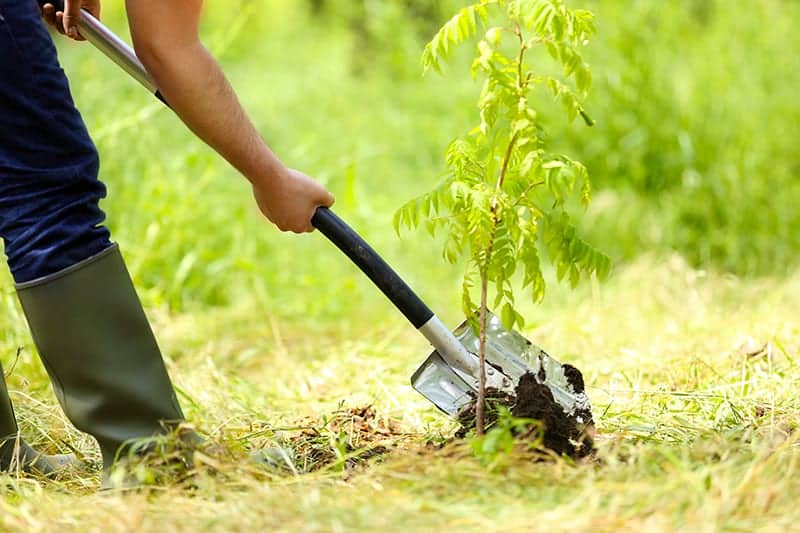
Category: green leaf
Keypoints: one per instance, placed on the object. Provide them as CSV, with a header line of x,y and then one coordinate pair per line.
x,y
494,36
574,276
462,26
508,316
583,78
586,118
552,49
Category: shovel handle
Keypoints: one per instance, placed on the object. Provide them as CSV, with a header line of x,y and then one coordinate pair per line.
x,y
371,264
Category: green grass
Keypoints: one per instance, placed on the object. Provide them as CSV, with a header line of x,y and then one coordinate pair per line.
x,y
692,377
692,373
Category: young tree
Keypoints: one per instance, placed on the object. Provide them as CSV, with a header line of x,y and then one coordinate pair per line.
x,y
504,195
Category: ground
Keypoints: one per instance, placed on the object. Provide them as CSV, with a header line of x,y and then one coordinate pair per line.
x,y
692,378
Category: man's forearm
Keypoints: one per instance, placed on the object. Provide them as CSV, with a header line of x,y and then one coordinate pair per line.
x,y
165,36
191,81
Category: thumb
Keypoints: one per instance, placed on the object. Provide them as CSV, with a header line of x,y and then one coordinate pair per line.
x,y
72,14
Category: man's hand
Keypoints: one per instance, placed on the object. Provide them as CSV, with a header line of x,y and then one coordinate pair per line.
x,y
66,22
290,199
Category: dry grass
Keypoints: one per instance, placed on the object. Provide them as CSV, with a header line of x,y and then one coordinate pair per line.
x,y
692,377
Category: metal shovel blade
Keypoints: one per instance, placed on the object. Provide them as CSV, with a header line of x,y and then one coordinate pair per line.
x,y
452,391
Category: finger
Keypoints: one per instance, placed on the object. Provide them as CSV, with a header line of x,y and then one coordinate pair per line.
x,y
310,226
49,14
72,14
325,199
59,25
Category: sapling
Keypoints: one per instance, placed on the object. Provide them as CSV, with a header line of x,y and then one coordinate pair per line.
x,y
504,195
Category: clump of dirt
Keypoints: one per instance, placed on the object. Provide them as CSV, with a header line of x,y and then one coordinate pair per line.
x,y
574,378
562,433
348,437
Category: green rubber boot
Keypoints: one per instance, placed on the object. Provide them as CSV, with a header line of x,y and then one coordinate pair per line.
x,y
97,346
15,454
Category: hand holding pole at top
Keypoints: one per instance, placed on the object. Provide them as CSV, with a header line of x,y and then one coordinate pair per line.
x,y
66,21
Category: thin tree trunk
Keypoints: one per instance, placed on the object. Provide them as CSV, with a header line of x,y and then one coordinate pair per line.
x,y
480,406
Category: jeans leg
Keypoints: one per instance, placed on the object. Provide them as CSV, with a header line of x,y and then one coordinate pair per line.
x,y
50,216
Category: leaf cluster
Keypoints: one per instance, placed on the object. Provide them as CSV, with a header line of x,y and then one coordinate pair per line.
x,y
504,194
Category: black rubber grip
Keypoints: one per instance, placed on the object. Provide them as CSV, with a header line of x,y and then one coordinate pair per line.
x,y
376,269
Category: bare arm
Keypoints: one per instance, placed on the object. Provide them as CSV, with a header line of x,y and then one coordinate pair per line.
x,y
166,39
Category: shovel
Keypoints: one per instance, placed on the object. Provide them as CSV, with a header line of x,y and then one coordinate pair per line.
x,y
450,375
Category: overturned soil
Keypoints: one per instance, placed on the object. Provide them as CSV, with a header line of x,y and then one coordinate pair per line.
x,y
562,433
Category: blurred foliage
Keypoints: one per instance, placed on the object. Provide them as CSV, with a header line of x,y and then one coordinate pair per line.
x,y
392,30
694,148
697,123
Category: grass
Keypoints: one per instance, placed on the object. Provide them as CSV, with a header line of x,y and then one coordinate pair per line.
x,y
692,377
692,374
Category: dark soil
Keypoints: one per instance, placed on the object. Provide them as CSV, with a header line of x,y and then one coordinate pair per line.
x,y
574,377
563,434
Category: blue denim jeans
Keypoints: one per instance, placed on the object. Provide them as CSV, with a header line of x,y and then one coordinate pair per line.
x,y
50,217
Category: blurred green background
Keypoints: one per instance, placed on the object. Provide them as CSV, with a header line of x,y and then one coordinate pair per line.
x,y
694,149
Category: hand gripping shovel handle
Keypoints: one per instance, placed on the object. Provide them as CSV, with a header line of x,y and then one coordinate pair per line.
x,y
112,46
325,220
